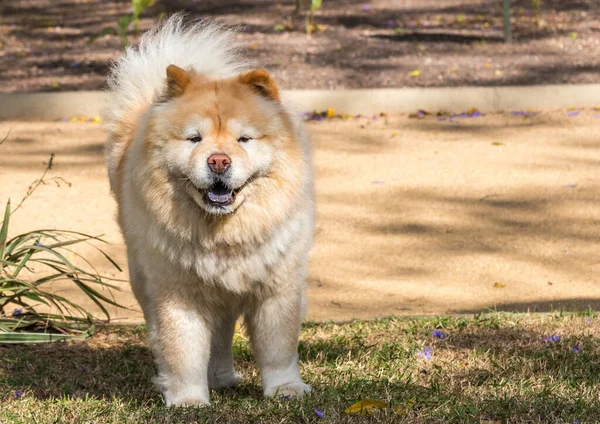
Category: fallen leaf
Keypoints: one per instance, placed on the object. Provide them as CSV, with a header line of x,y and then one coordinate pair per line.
x,y
278,27
488,64
395,134
499,285
497,143
403,409
573,36
365,407
253,46
330,112
415,73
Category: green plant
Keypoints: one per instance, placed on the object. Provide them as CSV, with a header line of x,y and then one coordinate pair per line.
x,y
310,16
29,263
122,28
536,5
138,7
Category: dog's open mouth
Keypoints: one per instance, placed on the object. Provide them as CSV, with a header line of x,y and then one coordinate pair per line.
x,y
219,194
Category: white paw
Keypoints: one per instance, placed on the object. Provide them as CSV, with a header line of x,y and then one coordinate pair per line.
x,y
223,381
290,390
187,401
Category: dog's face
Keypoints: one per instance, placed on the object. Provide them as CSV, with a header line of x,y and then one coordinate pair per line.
x,y
216,138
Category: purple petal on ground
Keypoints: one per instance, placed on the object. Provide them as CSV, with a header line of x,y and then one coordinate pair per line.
x,y
17,312
17,394
441,118
573,113
438,334
318,413
588,320
378,182
571,186
596,116
425,353
421,112
391,22
366,7
519,112
576,349
476,114
550,283
552,339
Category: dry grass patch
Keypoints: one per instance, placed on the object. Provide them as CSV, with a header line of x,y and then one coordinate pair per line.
x,y
492,366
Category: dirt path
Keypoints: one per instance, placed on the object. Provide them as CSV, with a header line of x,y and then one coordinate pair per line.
x,y
45,44
414,216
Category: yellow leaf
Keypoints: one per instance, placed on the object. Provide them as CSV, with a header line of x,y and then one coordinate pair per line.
x,y
330,112
365,407
254,46
488,64
499,285
403,410
96,119
415,73
395,134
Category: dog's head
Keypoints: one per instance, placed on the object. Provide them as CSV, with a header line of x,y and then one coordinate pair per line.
x,y
218,138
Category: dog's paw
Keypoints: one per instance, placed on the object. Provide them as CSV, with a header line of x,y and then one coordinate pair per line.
x,y
188,401
224,380
184,395
288,391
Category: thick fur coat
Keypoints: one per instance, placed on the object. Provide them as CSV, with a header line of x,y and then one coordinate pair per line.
x,y
213,180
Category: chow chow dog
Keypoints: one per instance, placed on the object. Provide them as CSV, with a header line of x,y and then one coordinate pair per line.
x,y
213,181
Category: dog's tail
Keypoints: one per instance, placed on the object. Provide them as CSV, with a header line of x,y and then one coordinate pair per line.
x,y
137,78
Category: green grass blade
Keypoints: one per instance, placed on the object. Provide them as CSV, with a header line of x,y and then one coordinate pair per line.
x,y
20,338
4,230
24,260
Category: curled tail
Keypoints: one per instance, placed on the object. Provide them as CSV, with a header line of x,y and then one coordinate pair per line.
x,y
137,78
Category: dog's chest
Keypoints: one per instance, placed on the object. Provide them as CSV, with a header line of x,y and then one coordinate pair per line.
x,y
237,268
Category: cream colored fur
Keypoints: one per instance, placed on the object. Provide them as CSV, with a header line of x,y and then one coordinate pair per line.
x,y
194,271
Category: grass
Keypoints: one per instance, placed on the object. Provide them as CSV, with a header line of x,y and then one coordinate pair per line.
x,y
489,368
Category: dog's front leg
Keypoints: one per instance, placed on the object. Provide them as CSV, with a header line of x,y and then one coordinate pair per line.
x,y
181,346
274,327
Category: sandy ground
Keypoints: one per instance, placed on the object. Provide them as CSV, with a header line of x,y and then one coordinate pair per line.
x,y
414,216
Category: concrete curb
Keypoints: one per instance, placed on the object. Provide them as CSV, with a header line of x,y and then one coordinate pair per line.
x,y
25,106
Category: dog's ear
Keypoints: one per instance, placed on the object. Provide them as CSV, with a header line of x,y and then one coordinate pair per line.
x,y
177,80
261,82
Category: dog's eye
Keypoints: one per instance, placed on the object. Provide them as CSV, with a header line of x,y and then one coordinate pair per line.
x,y
195,138
243,139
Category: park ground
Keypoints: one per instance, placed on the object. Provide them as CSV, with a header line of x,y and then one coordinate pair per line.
x,y
485,369
45,44
422,215
440,215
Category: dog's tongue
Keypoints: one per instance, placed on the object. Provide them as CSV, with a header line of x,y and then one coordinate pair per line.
x,y
219,194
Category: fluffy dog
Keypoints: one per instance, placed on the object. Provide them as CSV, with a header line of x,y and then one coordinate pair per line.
x,y
213,180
